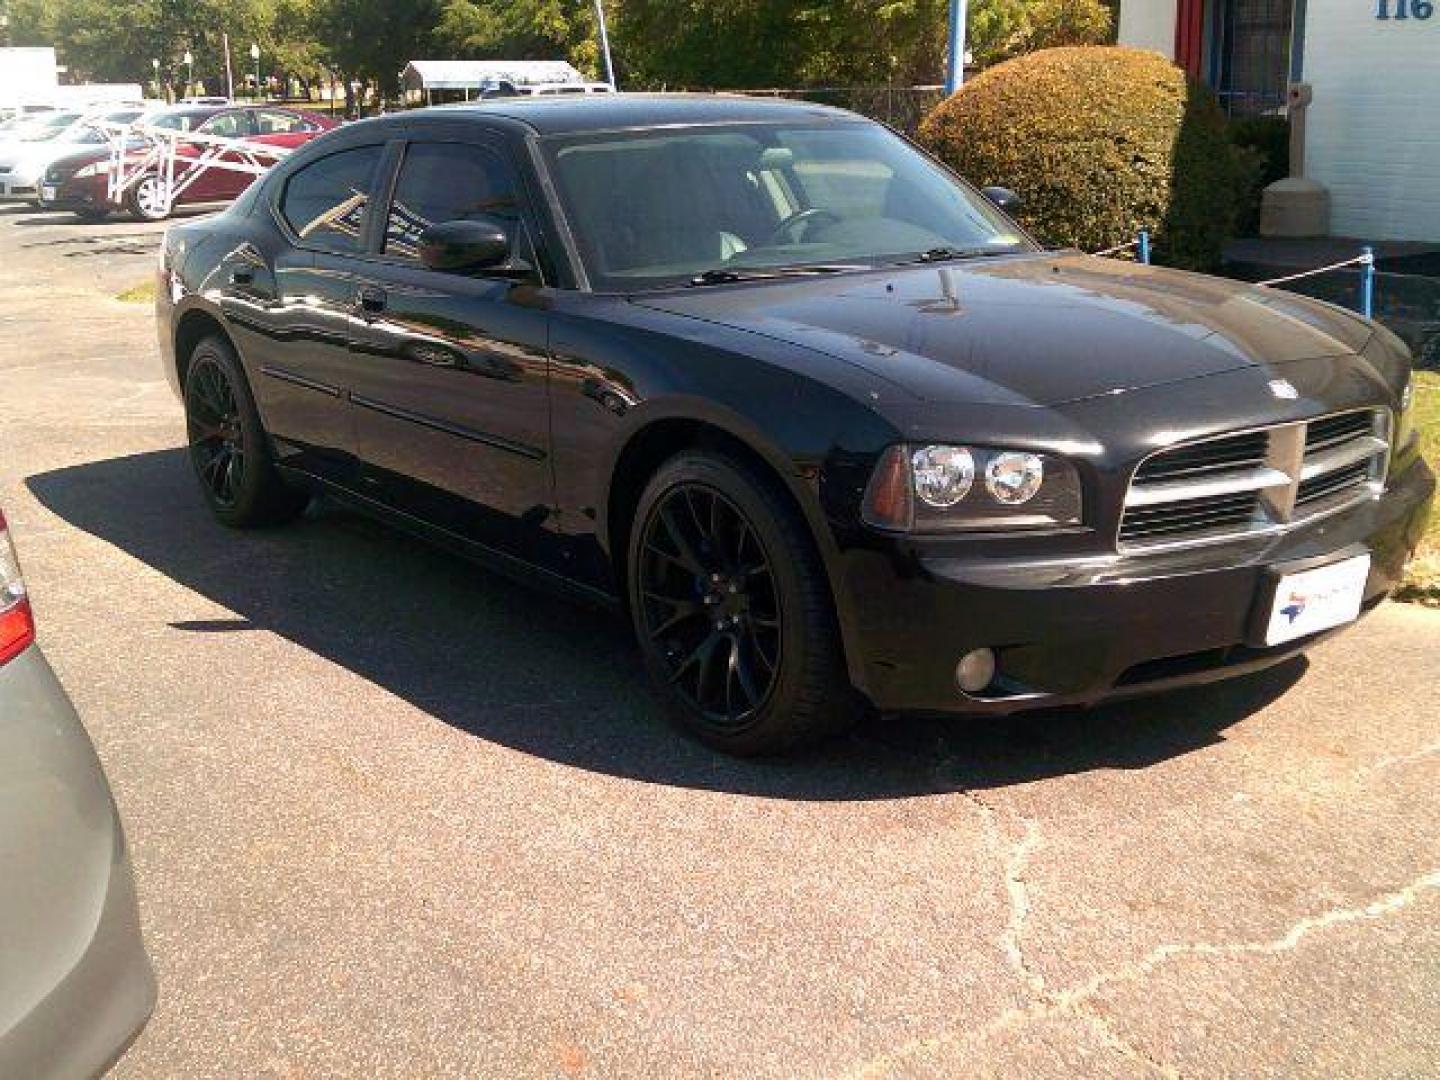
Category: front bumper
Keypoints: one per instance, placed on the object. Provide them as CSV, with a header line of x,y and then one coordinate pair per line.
x,y
75,984
70,193
18,186
1075,632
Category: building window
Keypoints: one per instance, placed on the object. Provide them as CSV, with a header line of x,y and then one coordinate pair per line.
x,y
1250,61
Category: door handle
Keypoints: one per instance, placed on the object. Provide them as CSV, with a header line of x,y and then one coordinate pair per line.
x,y
372,300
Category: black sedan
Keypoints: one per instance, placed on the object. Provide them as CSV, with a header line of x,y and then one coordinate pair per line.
x,y
825,424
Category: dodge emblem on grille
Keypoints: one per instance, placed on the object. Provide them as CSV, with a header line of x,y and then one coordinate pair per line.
x,y
1284,389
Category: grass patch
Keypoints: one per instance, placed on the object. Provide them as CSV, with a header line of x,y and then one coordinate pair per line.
x,y
1422,581
144,293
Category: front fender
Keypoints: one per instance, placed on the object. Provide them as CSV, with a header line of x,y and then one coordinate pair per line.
x,y
802,471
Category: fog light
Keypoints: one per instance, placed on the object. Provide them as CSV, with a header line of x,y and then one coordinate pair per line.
x,y
975,671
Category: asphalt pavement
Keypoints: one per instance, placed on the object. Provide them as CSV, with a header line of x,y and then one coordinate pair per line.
x,y
393,816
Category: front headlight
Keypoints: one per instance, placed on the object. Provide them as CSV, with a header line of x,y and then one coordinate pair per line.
x,y
939,488
98,168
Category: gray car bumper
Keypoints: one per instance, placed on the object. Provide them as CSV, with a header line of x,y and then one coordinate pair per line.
x,y
75,983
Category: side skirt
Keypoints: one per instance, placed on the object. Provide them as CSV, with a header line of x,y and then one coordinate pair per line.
x,y
510,566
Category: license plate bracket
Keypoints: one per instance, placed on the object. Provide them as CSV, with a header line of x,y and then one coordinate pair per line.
x,y
1305,602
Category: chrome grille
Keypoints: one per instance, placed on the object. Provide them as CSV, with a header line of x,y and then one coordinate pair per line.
x,y
1264,480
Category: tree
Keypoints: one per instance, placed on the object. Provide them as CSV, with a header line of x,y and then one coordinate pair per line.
x,y
520,30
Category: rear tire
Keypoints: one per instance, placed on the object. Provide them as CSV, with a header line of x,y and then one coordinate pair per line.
x,y
146,199
732,609
228,446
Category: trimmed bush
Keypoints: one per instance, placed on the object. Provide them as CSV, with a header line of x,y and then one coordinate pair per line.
x,y
1099,143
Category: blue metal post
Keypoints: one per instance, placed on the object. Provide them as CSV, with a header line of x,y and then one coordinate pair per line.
x,y
1367,282
1145,246
955,69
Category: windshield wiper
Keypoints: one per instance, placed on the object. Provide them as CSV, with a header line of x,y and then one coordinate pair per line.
x,y
945,254
724,275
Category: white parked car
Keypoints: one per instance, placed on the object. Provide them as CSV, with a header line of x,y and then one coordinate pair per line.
x,y
24,160
37,125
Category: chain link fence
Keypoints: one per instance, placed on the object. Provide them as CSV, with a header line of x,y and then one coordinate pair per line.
x,y
900,107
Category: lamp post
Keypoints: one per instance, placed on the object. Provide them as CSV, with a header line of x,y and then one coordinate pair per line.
x,y
255,55
605,43
189,71
955,69
155,64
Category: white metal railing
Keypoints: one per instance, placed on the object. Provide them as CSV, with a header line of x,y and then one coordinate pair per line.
x,y
177,159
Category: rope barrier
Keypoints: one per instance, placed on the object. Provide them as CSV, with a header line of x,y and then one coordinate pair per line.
x,y
1141,244
1365,260
1359,260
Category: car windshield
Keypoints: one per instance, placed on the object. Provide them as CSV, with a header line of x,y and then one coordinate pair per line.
x,y
50,128
711,204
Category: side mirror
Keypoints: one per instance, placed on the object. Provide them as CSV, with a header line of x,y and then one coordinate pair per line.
x,y
1003,198
482,244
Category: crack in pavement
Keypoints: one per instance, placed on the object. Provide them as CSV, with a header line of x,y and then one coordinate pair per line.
x,y
1122,1046
1016,889
1012,937
1076,1001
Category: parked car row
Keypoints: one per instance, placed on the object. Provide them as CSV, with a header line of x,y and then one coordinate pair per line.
x,y
65,160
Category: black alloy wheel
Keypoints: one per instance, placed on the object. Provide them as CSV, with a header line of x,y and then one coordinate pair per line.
x,y
228,445
709,604
732,608
213,421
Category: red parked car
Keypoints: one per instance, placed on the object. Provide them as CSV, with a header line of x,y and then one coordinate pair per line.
x,y
80,181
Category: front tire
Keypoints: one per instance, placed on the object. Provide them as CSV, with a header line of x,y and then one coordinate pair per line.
x,y
148,200
732,609
228,446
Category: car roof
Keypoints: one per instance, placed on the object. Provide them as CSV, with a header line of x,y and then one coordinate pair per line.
x,y
563,114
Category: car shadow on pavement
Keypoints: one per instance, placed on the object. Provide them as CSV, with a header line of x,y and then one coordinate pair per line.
x,y
544,676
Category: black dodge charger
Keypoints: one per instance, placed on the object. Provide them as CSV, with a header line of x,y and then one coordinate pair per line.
x,y
824,422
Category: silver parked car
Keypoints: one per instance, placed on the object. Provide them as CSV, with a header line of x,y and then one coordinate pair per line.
x,y
75,983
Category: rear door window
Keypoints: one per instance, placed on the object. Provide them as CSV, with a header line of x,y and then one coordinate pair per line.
x,y
327,202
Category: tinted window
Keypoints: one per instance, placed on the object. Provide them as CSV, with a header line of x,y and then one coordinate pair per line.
x,y
230,125
446,182
326,201
177,121
268,122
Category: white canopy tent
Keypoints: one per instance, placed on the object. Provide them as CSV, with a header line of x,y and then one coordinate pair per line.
x,y
425,78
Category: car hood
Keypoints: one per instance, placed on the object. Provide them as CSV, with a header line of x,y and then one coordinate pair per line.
x,y
37,155
78,157
1030,330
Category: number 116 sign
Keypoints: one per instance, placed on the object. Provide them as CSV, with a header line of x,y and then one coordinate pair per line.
x,y
1404,9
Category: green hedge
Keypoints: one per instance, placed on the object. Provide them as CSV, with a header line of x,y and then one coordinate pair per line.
x,y
1099,142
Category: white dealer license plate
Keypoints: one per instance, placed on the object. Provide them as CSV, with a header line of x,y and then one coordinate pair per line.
x,y
47,192
1315,600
